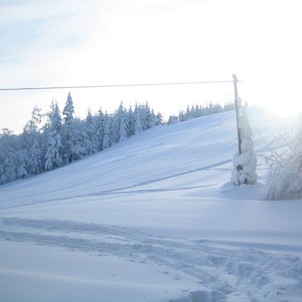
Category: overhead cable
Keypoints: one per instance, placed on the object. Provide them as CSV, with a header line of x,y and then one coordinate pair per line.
x,y
111,85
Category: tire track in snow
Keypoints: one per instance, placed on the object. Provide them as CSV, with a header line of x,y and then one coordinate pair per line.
x,y
228,270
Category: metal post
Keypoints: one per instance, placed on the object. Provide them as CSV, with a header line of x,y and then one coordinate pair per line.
x,y
235,79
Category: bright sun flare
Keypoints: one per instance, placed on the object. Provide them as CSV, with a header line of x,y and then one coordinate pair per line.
x,y
278,98
286,110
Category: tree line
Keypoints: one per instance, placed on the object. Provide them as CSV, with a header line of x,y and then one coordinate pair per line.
x,y
55,139
203,110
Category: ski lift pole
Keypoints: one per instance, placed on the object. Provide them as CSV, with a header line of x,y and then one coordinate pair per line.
x,y
235,79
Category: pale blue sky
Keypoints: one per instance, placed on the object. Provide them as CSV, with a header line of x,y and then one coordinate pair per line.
x,y
72,42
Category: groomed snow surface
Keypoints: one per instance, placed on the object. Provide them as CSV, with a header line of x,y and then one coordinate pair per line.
x,y
155,219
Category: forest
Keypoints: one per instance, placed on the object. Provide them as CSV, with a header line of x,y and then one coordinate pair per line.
x,y
54,139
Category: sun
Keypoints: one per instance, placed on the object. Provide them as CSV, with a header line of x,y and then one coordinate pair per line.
x,y
281,101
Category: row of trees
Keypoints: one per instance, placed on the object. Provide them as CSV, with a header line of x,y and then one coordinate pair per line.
x,y
199,111
55,139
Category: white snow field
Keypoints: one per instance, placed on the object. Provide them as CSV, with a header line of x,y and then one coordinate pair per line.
x,y
155,218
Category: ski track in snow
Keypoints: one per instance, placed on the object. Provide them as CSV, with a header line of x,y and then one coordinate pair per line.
x,y
225,268
128,189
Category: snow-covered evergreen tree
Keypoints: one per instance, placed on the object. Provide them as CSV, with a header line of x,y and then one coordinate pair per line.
x,y
22,173
158,119
68,139
244,171
8,164
53,157
106,139
138,125
122,123
152,120
68,110
2,166
148,117
90,137
145,113
35,159
99,128
181,116
114,128
78,147
30,141
130,121
32,126
21,160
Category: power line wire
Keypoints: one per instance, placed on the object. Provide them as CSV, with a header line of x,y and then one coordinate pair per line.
x,y
112,85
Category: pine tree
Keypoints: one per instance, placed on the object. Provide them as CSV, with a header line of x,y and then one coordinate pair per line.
x,y
3,179
114,129
22,173
122,123
21,163
148,116
138,126
152,120
32,126
53,157
68,139
6,167
78,147
68,110
10,165
106,139
8,148
144,116
90,138
158,119
130,121
99,127
31,140
35,159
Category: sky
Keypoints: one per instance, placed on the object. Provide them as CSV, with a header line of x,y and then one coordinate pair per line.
x,y
100,42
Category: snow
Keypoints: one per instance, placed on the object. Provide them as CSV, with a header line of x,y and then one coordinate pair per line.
x,y
154,218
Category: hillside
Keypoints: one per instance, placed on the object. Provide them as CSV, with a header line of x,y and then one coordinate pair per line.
x,y
154,218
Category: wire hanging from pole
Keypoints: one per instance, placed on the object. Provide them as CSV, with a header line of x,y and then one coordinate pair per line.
x,y
112,85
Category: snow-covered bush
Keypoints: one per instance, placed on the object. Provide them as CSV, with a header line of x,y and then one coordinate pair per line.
x,y
244,171
284,179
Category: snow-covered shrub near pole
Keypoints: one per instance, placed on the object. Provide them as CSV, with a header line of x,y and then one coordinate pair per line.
x,y
245,161
285,172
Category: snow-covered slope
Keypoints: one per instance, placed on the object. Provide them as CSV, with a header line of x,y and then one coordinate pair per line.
x,y
153,219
